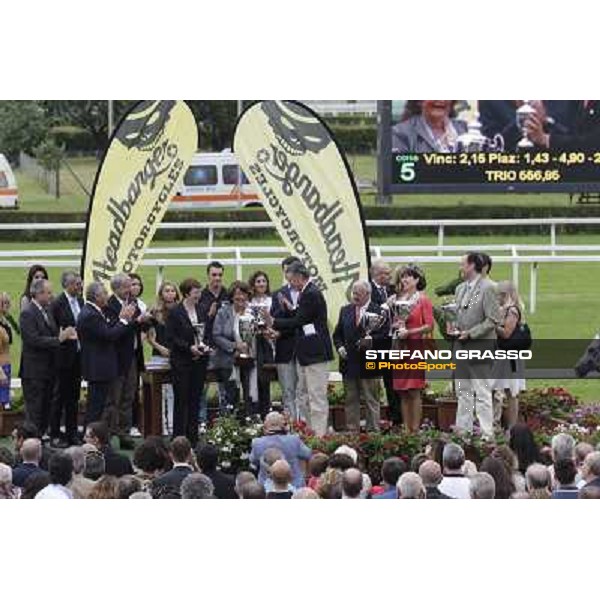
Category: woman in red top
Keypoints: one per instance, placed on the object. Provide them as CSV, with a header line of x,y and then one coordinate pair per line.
x,y
412,333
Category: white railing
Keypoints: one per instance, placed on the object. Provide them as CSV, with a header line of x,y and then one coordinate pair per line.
x,y
440,224
238,261
240,256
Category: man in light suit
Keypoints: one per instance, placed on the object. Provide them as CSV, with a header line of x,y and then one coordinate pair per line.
x,y
478,315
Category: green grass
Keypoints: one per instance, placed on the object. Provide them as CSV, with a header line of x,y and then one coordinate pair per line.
x,y
566,302
34,198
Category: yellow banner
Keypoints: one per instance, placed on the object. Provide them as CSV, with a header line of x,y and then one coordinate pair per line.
x,y
143,166
307,189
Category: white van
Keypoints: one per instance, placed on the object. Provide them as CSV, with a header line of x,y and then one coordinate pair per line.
x,y
9,197
215,180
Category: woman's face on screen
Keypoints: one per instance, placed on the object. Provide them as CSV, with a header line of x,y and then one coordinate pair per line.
x,y
436,109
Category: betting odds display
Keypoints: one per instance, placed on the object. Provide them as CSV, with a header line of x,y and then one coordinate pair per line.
x,y
490,145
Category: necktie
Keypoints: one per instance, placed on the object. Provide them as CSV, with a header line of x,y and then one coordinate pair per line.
x,y
75,308
357,317
383,293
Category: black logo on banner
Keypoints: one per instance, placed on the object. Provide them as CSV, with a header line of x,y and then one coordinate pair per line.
x,y
143,127
295,128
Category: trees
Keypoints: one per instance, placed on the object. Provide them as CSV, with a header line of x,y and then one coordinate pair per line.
x,y
91,115
24,125
216,120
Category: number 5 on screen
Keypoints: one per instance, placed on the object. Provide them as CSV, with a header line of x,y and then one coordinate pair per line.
x,y
407,171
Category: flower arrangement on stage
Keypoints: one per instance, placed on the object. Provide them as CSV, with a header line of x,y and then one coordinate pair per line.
x,y
547,411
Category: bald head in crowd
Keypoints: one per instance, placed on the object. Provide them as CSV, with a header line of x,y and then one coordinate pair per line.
x,y
430,473
31,451
281,473
352,482
305,493
410,487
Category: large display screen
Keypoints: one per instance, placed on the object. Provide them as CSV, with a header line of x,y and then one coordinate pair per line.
x,y
489,145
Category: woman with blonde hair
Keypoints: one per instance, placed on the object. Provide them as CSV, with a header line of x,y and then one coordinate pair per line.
x,y
508,374
155,332
105,488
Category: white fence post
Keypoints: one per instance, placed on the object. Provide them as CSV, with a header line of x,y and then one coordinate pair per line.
x,y
515,267
533,287
238,264
160,276
553,238
441,239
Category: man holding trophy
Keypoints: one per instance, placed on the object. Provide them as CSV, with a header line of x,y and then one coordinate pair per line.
x,y
359,323
476,317
313,346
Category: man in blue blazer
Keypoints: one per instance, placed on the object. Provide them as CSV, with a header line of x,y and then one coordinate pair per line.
x,y
98,338
283,305
349,339
313,346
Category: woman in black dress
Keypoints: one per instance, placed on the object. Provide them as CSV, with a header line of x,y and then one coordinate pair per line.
x,y
186,331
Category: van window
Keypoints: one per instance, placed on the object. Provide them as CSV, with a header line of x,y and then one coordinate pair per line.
x,y
3,180
201,175
231,175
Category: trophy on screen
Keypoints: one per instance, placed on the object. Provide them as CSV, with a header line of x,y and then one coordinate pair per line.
x,y
400,310
247,331
524,113
474,141
450,311
370,322
257,314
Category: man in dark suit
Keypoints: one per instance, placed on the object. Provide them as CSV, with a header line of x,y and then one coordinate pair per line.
x,y
208,459
349,339
65,310
381,290
500,117
430,473
585,134
98,338
31,454
130,361
313,346
181,455
41,342
115,464
283,305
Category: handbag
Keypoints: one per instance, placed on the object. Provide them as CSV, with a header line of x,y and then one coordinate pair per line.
x,y
429,342
520,338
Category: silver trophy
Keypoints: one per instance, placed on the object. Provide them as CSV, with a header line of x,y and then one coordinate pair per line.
x,y
247,331
474,141
524,113
257,314
450,310
199,330
370,322
400,311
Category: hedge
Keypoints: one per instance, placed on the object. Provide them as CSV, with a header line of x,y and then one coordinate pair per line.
x,y
393,212
356,139
74,139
